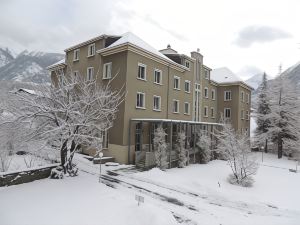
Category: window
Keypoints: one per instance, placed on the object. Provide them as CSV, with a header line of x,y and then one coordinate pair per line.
x,y
176,83
141,71
247,130
205,111
206,74
213,94
227,95
197,87
91,50
140,100
76,55
187,64
247,115
157,76
227,113
247,98
156,103
212,112
107,70
90,73
187,86
242,114
242,96
75,75
175,106
206,92
187,108
105,139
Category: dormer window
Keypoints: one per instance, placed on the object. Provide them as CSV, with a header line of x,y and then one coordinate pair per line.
x,y
91,50
76,55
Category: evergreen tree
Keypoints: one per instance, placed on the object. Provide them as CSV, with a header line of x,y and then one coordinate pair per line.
x,y
284,116
262,115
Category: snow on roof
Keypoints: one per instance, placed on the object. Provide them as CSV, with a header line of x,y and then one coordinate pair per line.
x,y
135,40
224,75
56,64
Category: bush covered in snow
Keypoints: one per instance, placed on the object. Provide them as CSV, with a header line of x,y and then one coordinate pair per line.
x,y
181,150
236,150
203,145
160,147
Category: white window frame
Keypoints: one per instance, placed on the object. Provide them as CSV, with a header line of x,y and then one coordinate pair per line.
x,y
87,73
76,75
93,47
213,94
160,80
187,64
212,112
205,112
105,66
175,100
225,117
176,78
206,74
74,55
144,100
197,87
242,114
206,92
242,96
225,96
247,115
189,85
159,103
189,108
247,98
145,67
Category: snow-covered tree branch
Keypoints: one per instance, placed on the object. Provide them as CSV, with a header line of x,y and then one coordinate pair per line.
x,y
160,147
235,148
70,116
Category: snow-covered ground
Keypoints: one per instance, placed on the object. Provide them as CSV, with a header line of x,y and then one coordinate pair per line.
x,y
191,195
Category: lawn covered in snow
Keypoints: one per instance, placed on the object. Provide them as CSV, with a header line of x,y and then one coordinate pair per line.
x,y
192,195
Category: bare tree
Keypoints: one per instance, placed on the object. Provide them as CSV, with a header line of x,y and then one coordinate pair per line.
x,y
160,146
235,149
70,116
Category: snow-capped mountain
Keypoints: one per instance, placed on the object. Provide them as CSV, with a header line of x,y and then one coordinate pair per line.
x,y
256,80
5,56
27,66
293,73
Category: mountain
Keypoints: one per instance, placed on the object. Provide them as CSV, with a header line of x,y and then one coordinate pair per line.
x,y
256,80
5,56
293,74
27,66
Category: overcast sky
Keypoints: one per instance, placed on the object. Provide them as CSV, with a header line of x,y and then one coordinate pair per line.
x,y
245,36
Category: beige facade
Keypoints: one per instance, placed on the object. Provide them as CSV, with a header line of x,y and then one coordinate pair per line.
x,y
172,87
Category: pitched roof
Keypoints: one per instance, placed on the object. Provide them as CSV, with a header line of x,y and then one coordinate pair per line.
x,y
224,75
59,63
138,42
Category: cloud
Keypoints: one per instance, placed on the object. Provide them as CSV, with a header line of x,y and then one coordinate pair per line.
x,y
259,34
248,71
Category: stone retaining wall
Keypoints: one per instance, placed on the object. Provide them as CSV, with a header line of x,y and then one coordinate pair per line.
x,y
20,177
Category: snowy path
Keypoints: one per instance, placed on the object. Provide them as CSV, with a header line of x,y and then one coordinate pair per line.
x,y
189,206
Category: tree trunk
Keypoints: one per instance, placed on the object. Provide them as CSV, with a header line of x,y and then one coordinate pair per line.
x,y
266,146
63,155
279,146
